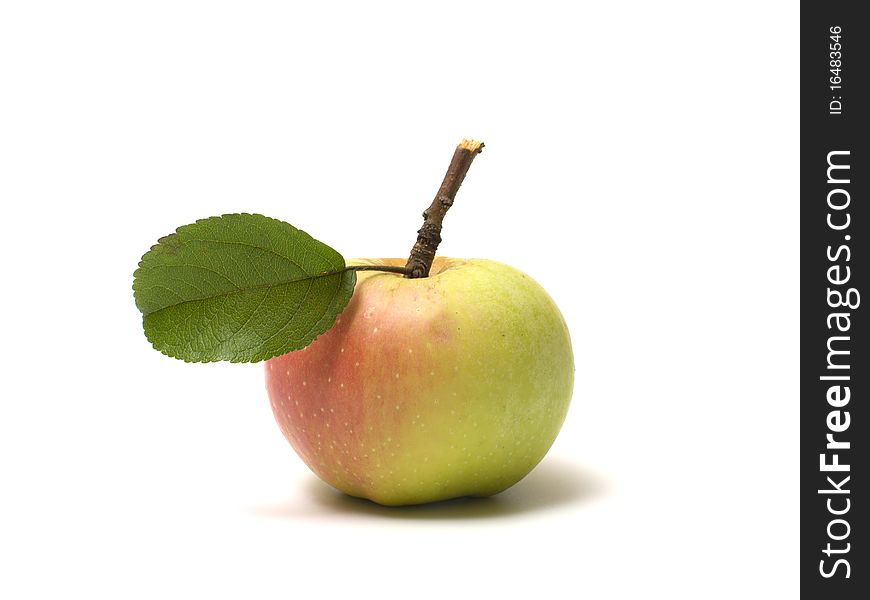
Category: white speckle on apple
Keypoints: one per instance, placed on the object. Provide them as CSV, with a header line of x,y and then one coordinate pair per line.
x,y
342,350
410,351
304,383
341,385
397,375
329,380
397,407
375,330
356,364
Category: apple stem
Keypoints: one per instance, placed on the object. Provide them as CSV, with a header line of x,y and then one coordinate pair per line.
x,y
429,236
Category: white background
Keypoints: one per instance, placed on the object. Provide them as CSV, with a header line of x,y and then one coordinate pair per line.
x,y
641,164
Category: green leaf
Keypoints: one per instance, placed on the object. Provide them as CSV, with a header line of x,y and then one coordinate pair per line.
x,y
240,287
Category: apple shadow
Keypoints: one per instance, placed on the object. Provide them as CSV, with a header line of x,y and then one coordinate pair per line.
x,y
553,484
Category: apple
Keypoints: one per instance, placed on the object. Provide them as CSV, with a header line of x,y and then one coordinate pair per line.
x,y
427,389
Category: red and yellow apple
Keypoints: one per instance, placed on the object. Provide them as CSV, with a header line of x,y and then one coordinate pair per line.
x,y
426,389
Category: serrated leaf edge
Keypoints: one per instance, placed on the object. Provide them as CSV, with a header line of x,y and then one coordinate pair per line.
x,y
255,358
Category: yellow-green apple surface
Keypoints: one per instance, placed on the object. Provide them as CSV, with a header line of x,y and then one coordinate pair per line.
x,y
426,389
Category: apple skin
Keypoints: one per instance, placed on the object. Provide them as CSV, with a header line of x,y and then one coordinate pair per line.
x,y
428,389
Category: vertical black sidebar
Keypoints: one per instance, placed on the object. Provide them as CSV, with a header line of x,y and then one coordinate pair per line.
x,y
834,369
